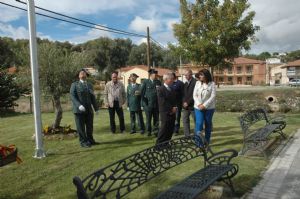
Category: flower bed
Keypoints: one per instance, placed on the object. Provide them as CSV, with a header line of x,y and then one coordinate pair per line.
x,y
60,133
8,154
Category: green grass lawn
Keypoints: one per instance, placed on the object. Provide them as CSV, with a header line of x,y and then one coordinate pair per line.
x,y
51,177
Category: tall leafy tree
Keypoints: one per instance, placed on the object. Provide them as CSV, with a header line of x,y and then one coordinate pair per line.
x,y
138,55
58,67
6,53
212,33
10,91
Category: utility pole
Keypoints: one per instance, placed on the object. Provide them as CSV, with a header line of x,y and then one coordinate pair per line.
x,y
148,48
39,151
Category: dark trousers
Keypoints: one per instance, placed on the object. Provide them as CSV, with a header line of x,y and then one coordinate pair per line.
x,y
178,117
119,110
186,121
140,119
167,123
152,113
84,126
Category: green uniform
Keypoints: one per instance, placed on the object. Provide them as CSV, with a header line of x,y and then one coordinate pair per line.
x,y
83,94
134,105
150,104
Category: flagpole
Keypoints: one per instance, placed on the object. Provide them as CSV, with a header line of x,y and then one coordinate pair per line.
x,y
39,151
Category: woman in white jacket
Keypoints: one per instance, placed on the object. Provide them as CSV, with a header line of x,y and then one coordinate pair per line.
x,y
205,100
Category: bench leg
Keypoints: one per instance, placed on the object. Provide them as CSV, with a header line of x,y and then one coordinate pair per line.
x,y
229,184
281,133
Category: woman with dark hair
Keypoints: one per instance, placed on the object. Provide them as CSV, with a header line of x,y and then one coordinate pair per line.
x,y
204,97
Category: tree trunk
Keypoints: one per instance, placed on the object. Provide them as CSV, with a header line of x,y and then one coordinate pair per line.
x,y
215,78
58,111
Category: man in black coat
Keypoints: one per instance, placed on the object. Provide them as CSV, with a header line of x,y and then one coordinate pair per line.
x,y
167,109
188,102
178,87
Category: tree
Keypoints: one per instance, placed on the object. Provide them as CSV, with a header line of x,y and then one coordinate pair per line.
x,y
138,55
6,54
264,55
293,55
172,56
212,33
58,67
10,91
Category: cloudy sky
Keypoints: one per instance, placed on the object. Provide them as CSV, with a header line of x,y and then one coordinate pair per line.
x,y
278,19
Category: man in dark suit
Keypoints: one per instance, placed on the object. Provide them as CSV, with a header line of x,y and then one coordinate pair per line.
x,y
178,86
188,102
167,109
149,101
134,104
83,99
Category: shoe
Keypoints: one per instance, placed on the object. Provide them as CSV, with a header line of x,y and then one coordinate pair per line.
x,y
85,145
149,134
93,142
113,132
132,132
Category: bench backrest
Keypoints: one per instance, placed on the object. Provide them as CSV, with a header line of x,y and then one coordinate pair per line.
x,y
252,117
123,176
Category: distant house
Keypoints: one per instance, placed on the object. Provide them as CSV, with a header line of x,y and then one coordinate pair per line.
x,y
243,71
12,70
292,69
141,71
275,74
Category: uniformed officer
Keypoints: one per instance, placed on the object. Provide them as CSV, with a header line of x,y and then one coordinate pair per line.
x,y
83,99
149,101
134,104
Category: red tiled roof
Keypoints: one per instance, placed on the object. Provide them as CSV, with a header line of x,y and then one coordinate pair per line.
x,y
12,70
243,60
294,63
161,71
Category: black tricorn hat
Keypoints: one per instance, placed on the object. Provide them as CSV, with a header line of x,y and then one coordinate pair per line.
x,y
152,71
87,73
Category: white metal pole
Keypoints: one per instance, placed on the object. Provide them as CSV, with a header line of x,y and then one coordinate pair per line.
x,y
39,151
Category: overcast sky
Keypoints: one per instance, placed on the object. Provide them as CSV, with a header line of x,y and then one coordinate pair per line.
x,y
278,20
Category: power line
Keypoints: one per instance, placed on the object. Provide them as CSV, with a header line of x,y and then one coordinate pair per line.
x,y
114,29
157,43
99,27
80,24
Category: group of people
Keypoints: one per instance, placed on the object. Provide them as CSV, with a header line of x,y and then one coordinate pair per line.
x,y
161,101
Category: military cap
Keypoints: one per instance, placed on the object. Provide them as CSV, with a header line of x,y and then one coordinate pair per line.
x,y
84,70
152,71
133,75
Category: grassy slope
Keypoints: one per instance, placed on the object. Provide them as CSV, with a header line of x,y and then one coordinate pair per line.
x,y
51,177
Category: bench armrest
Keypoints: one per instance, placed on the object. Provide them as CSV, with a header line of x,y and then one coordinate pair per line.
x,y
277,118
221,157
81,193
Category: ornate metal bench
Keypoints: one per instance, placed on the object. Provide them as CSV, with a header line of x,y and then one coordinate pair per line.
x,y
123,176
256,138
